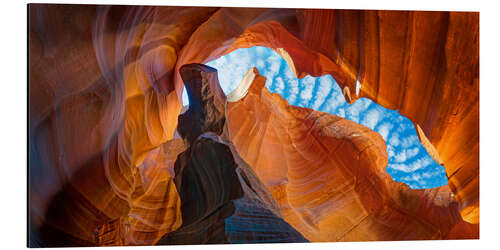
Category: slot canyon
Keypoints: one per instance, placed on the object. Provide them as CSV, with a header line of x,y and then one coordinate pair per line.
x,y
116,159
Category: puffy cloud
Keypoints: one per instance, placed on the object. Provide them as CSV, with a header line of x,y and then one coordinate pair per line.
x,y
289,74
400,167
308,84
394,139
341,112
306,81
415,180
358,107
409,141
390,151
324,88
274,63
430,174
415,165
280,85
384,130
293,90
232,67
261,51
332,103
260,64
372,118
410,153
408,162
406,154
400,157
403,125
269,79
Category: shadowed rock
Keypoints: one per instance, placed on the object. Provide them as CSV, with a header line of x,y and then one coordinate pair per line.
x,y
104,92
209,179
206,102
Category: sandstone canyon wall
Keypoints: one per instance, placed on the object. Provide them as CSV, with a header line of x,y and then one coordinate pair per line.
x,y
104,99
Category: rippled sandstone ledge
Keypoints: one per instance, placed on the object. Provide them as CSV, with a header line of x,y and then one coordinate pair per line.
x,y
328,174
105,89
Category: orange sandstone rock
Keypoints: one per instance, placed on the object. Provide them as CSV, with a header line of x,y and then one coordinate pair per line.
x,y
101,98
104,94
328,174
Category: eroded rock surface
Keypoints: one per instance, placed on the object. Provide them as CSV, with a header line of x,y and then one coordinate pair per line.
x,y
209,179
105,91
328,174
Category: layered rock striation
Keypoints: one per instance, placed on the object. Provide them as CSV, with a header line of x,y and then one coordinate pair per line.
x,y
328,173
104,99
212,180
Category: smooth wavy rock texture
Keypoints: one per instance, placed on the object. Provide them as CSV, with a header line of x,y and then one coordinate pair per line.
x,y
208,177
105,90
328,173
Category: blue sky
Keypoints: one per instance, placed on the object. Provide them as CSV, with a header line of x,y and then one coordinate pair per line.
x,y
409,162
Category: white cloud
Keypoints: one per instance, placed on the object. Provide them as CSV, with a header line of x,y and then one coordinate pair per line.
x,y
410,153
384,130
324,88
260,64
402,125
400,167
293,90
341,112
403,146
400,157
415,177
289,74
274,63
308,80
261,51
334,101
232,67
280,85
394,139
406,154
409,141
415,165
269,79
356,108
390,151
308,86
365,102
430,174
372,118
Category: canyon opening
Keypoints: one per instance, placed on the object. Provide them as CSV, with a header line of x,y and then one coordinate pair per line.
x,y
170,125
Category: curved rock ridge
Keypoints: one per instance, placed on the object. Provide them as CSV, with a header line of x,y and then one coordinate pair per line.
x,y
408,160
399,59
105,91
210,176
328,174
103,72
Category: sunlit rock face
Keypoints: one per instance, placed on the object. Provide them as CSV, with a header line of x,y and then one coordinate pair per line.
x,y
104,100
409,160
211,178
328,174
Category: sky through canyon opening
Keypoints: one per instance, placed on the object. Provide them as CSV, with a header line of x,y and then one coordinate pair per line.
x,y
408,160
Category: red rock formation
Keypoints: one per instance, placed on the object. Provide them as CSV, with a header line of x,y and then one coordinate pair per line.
x,y
100,100
328,173
104,91
401,59
211,177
